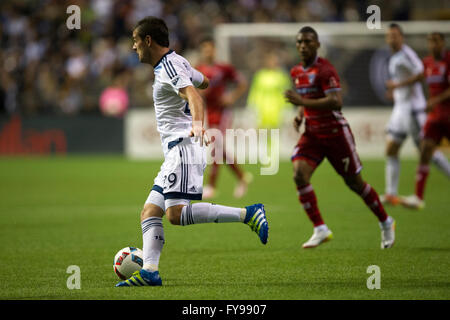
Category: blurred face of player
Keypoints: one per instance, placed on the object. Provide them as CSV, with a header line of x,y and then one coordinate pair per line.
x,y
435,45
142,47
271,61
207,51
307,46
394,39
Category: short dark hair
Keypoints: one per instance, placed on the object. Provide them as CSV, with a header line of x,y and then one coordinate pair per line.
x,y
308,29
206,39
396,26
155,28
439,34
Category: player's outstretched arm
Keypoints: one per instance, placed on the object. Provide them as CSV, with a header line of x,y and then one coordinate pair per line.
x,y
332,100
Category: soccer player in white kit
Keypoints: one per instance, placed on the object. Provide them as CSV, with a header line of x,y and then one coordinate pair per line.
x,y
179,114
408,115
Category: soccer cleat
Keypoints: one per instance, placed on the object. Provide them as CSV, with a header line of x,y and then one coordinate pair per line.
x,y
387,235
142,278
208,192
390,199
413,202
242,187
318,237
256,219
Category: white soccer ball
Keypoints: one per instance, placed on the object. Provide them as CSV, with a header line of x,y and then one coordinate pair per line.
x,y
127,261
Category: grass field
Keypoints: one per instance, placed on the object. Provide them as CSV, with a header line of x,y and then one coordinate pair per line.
x,y
61,211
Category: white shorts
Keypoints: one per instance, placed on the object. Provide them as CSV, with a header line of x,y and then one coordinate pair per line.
x,y
181,175
403,123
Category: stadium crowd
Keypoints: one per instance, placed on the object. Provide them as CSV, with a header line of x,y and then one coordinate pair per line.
x,y
45,68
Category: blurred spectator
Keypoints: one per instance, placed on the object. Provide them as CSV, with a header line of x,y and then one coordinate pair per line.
x,y
266,96
114,99
46,68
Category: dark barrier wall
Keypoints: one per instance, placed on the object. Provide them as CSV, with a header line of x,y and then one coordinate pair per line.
x,y
57,134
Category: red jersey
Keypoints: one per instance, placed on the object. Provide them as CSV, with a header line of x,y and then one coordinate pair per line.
x,y
219,76
437,74
314,82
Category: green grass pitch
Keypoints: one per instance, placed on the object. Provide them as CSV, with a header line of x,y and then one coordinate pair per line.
x,y
79,210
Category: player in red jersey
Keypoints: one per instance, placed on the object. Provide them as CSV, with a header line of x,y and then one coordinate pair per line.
x,y
219,102
437,126
327,135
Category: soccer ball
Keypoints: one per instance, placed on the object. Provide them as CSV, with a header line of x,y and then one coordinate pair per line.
x,y
127,261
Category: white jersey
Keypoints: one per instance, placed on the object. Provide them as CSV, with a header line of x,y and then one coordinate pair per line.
x,y
402,65
180,178
173,117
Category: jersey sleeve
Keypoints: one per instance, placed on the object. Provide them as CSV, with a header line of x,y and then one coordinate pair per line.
x,y
329,80
177,74
196,77
412,63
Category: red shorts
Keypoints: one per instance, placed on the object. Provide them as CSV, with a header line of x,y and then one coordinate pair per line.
x,y
338,148
220,120
437,128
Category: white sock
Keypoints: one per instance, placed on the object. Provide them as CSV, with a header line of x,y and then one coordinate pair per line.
x,y
207,212
153,241
322,227
386,223
440,160
392,175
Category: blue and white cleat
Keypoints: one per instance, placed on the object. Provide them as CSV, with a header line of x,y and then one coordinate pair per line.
x,y
142,278
256,219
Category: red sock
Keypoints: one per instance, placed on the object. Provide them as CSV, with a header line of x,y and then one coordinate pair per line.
x,y
308,199
234,167
213,174
236,170
370,197
421,179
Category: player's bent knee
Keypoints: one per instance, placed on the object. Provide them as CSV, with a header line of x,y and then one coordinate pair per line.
x,y
428,146
151,210
354,187
392,148
355,183
173,219
300,179
301,176
302,172
174,214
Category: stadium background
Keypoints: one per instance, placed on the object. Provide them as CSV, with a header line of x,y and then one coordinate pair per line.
x,y
51,81
52,77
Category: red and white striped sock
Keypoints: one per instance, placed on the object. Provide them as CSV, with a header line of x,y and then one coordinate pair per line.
x,y
308,199
371,199
421,179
